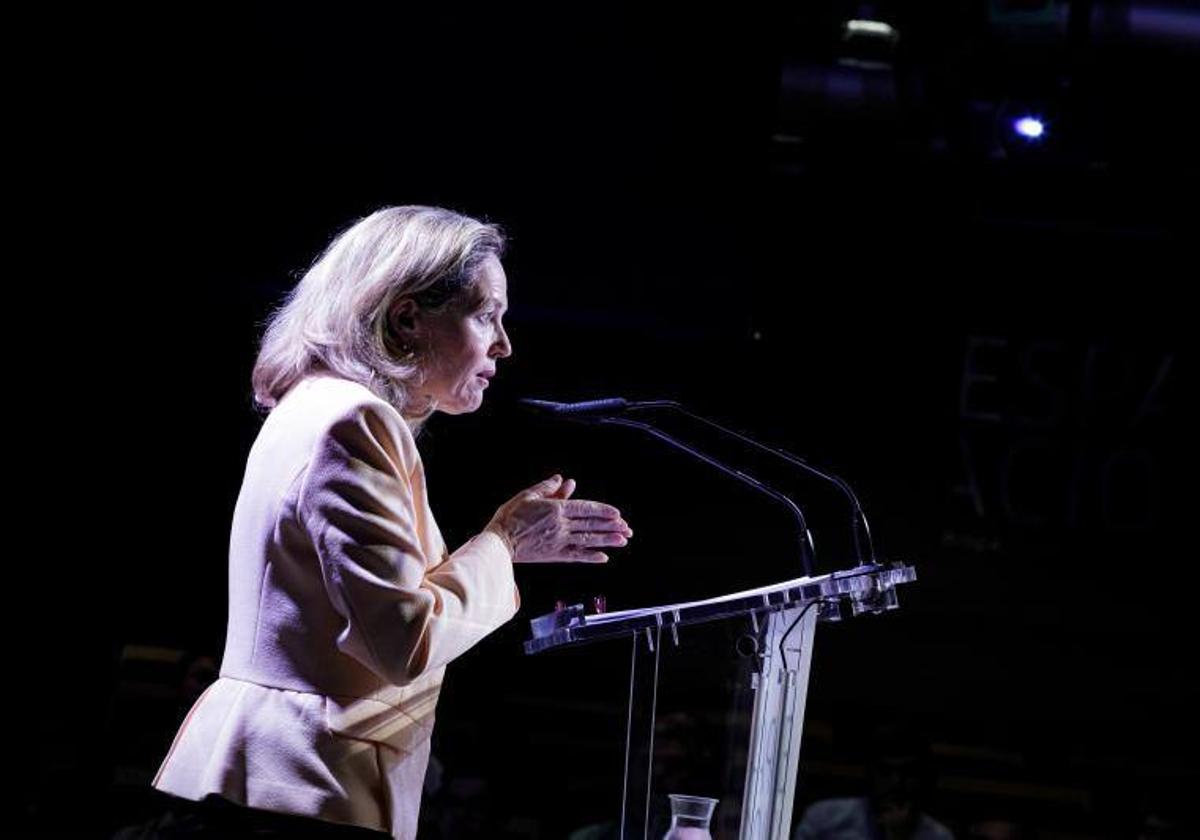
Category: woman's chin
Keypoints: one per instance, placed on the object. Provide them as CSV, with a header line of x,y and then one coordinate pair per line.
x,y
461,406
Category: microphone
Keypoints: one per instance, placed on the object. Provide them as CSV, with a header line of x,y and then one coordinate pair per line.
x,y
588,408
605,411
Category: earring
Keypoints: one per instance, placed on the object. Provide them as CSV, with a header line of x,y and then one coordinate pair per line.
x,y
401,349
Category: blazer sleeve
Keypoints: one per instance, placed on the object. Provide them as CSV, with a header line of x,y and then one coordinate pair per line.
x,y
403,613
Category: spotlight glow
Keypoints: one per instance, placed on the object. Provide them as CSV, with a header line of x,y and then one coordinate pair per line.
x,y
1031,128
871,27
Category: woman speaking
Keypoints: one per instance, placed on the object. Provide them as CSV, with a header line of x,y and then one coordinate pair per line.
x,y
345,604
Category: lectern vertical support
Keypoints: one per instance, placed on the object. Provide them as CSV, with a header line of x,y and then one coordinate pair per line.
x,y
777,723
639,733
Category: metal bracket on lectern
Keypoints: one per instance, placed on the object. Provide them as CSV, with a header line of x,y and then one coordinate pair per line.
x,y
866,589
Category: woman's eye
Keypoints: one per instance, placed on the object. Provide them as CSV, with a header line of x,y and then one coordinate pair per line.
x,y
483,317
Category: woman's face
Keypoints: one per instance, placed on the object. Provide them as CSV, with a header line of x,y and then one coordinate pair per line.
x,y
462,346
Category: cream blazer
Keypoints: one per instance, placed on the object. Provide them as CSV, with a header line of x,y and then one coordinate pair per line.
x,y
344,608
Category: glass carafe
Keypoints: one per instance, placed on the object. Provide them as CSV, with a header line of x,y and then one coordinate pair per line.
x,y
689,817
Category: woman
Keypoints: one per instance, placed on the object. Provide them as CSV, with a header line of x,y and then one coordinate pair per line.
x,y
345,605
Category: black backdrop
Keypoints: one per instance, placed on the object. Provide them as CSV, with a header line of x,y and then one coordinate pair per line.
x,y
988,342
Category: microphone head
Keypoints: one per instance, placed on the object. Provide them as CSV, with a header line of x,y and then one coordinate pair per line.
x,y
540,405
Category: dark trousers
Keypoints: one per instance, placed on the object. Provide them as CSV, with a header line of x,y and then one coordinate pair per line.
x,y
217,817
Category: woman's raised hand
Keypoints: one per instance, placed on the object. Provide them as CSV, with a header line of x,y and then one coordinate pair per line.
x,y
543,524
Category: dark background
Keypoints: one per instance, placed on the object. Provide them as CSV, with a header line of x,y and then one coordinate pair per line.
x,y
835,246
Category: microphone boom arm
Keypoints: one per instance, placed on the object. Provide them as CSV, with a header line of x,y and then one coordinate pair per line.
x,y
806,544
859,526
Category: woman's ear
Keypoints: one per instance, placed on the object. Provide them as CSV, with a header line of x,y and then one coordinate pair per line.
x,y
402,318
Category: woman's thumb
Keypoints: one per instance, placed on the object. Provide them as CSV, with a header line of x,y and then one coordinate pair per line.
x,y
545,488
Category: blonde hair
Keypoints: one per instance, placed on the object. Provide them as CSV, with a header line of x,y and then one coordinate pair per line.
x,y
336,319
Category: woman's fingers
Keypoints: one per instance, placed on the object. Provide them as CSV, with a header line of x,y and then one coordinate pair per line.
x,y
594,538
568,554
591,523
579,554
587,509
